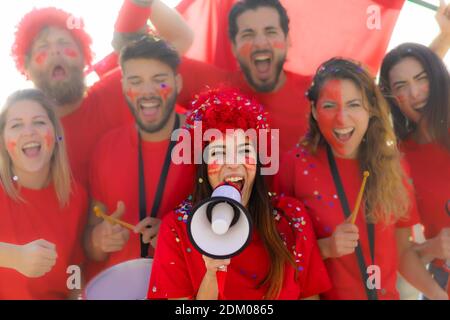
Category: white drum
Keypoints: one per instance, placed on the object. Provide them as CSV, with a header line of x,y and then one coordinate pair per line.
x,y
128,280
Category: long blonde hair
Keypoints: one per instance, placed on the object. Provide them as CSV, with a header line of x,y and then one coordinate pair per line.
x,y
386,194
60,173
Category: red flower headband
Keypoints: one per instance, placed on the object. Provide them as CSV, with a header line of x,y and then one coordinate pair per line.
x,y
226,108
37,19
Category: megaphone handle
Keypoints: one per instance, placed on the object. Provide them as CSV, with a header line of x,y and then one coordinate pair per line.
x,y
221,276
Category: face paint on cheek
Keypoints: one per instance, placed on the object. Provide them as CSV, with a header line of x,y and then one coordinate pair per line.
x,y
332,91
279,45
213,168
425,88
71,53
41,58
11,146
49,139
326,118
131,95
250,163
245,50
400,98
165,90
213,174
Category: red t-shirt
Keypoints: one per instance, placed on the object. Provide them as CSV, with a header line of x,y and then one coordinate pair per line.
x,y
41,217
288,107
114,177
178,268
430,171
308,178
103,108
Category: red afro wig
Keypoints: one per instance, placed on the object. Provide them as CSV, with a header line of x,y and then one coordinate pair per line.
x,y
37,19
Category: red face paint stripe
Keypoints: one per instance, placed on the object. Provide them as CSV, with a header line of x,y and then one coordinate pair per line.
x,y
41,58
279,45
213,165
165,91
401,98
331,91
212,172
250,160
213,168
49,139
70,53
245,50
11,145
131,94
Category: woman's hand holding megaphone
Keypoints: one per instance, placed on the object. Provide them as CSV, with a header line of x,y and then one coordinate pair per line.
x,y
211,286
214,265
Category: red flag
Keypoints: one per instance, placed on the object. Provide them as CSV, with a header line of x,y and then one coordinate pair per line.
x,y
319,30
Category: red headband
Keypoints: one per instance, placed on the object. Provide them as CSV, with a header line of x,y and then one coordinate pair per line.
x,y
37,19
132,17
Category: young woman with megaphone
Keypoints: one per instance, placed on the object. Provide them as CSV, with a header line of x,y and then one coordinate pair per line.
x,y
277,256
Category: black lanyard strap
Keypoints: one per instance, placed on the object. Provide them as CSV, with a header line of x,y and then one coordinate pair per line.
x,y
160,187
371,293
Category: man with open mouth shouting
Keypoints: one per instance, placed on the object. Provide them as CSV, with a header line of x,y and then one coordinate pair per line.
x,y
132,173
259,36
53,52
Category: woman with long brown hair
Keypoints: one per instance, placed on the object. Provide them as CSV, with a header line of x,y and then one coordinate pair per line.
x,y
350,133
42,211
282,260
417,84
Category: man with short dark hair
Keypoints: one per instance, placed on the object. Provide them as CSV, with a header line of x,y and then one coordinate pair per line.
x,y
260,47
259,35
132,172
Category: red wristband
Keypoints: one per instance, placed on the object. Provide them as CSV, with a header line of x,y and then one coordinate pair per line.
x,y
132,17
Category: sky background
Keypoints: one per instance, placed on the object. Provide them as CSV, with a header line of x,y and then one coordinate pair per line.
x,y
415,24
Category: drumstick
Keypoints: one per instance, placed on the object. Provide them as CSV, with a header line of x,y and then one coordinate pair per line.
x,y
358,200
99,213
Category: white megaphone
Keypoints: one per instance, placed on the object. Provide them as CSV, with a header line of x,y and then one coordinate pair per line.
x,y
220,227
